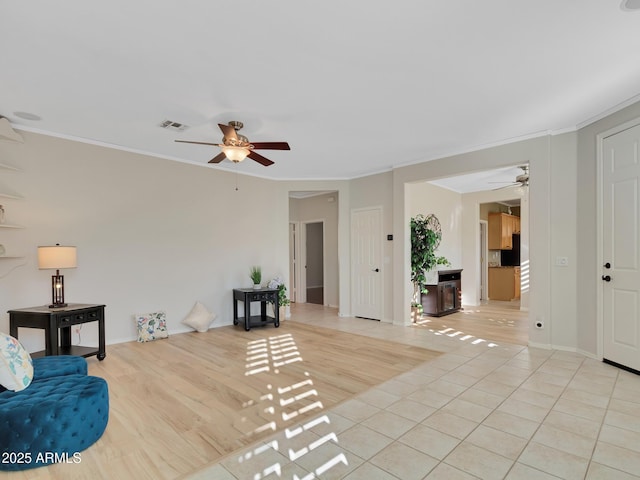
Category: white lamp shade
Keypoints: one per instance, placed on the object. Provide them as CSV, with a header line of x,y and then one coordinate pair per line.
x,y
56,257
235,154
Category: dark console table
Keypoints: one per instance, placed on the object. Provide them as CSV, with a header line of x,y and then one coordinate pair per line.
x,y
262,295
444,297
57,323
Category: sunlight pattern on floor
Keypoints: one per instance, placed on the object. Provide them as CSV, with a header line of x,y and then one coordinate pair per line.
x,y
282,404
453,333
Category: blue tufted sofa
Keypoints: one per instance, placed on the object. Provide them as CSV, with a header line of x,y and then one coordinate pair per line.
x,y
57,366
62,412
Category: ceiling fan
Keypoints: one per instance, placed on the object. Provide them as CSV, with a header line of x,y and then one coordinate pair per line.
x,y
521,180
236,147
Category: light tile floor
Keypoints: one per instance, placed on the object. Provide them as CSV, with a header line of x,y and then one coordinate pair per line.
x,y
480,410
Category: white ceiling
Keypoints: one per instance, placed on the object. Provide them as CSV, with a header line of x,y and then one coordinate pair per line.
x,y
355,87
498,178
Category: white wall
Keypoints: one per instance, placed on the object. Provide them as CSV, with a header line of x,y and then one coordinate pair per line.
x,y
563,240
151,234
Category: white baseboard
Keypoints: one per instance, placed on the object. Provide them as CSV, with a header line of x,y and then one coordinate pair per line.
x,y
543,346
589,354
564,348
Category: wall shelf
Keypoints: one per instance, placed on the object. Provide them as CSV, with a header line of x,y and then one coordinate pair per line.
x,y
10,195
8,266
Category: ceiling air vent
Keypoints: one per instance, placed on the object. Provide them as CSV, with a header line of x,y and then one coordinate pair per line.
x,y
630,5
175,126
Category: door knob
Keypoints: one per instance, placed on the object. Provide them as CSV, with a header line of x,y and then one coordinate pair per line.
x,y
607,265
375,269
606,278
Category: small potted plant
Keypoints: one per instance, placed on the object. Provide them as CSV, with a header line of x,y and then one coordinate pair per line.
x,y
256,276
283,301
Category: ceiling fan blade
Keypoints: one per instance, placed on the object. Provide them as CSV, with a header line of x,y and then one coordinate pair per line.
x,y
260,159
218,158
228,131
197,143
506,186
271,145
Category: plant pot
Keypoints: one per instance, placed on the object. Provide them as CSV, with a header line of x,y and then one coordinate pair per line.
x,y
257,286
416,314
285,312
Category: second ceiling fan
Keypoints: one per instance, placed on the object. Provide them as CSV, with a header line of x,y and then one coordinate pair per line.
x,y
236,147
521,180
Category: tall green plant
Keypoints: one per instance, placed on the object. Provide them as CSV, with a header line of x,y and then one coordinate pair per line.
x,y
423,252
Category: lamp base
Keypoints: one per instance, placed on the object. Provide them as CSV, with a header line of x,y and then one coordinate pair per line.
x,y
57,291
59,305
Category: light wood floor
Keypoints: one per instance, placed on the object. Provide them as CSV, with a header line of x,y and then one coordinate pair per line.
x,y
181,403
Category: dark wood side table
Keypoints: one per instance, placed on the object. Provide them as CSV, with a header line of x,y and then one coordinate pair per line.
x,y
262,295
57,323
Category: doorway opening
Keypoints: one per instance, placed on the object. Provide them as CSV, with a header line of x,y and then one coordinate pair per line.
x,y
314,262
500,244
313,247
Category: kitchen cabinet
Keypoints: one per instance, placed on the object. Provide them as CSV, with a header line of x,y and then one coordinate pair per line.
x,y
516,224
502,226
504,283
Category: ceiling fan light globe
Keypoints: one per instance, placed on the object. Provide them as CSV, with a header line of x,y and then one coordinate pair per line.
x,y
521,191
235,154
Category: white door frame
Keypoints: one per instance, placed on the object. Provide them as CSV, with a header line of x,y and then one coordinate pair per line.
x,y
294,262
484,267
302,293
599,226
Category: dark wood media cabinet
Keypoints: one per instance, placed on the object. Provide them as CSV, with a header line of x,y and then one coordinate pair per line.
x,y
444,297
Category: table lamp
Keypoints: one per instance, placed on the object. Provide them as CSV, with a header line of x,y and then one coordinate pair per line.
x,y
57,257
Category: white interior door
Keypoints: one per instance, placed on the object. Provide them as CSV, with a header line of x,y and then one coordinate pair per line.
x,y
621,248
366,263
